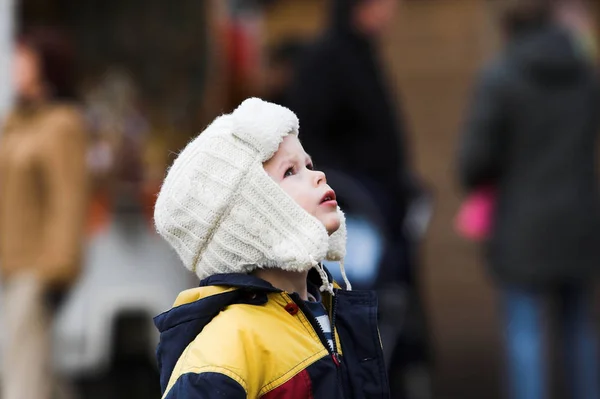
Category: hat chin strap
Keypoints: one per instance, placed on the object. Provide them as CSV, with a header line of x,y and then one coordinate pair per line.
x,y
346,281
336,252
327,285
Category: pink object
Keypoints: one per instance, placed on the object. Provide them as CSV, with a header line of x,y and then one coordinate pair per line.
x,y
475,217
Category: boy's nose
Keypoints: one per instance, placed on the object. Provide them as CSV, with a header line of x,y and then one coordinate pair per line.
x,y
320,178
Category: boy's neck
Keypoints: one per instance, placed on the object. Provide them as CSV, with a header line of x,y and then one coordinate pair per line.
x,y
285,280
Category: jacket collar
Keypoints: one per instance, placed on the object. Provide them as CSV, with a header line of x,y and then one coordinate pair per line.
x,y
253,283
239,280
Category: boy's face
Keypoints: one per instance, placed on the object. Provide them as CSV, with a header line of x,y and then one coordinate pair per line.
x,y
292,169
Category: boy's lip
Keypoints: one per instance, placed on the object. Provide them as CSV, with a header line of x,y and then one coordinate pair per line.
x,y
328,197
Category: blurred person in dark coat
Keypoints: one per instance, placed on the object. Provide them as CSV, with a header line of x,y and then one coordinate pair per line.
x,y
342,96
280,69
42,208
532,133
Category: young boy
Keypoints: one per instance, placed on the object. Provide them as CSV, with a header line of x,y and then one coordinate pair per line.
x,y
245,210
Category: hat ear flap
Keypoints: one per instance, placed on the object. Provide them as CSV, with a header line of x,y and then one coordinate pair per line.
x,y
337,241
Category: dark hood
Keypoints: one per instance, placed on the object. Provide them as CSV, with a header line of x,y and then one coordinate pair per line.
x,y
340,15
549,55
195,308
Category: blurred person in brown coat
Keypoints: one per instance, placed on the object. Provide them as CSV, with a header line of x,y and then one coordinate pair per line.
x,y
43,186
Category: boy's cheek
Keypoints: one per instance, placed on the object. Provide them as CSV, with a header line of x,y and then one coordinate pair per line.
x,y
300,199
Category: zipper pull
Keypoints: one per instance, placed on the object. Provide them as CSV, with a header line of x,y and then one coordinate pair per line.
x,y
336,359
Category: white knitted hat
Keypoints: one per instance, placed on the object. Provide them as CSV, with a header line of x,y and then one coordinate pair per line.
x,y
222,213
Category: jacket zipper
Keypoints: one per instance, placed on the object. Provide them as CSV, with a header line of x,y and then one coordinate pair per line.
x,y
319,330
335,354
335,357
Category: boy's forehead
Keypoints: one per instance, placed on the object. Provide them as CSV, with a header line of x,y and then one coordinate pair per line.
x,y
291,146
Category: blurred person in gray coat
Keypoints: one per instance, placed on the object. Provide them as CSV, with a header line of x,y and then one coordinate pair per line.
x,y
532,133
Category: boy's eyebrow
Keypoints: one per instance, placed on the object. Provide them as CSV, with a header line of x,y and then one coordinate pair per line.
x,y
286,159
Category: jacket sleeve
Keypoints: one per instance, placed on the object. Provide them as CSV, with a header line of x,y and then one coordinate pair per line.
x,y
65,181
211,385
481,146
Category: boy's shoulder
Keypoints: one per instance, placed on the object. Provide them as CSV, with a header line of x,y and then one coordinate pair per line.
x,y
240,323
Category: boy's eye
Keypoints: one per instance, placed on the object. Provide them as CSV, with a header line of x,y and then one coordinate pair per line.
x,y
289,172
310,166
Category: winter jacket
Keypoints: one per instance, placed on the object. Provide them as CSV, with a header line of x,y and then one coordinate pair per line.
x,y
43,186
532,132
236,336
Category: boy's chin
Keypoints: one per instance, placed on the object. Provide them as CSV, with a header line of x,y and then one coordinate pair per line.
x,y
332,225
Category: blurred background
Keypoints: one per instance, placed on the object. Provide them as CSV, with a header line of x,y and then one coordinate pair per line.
x,y
148,76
